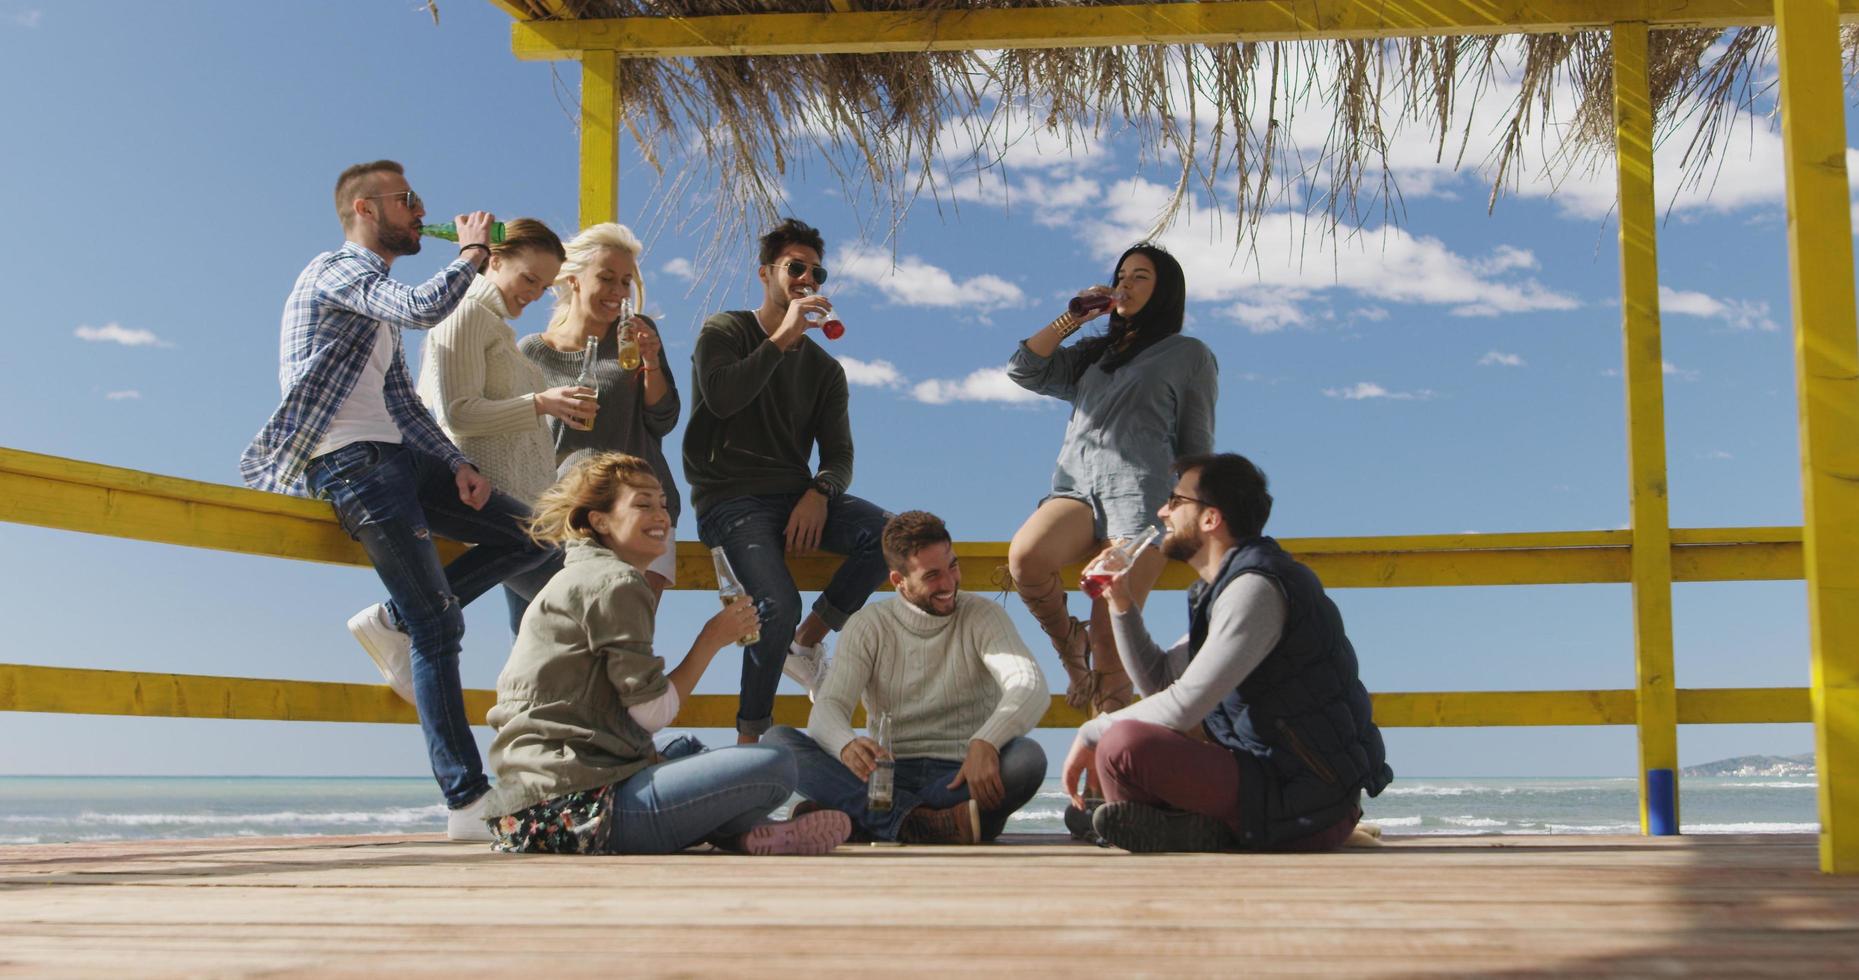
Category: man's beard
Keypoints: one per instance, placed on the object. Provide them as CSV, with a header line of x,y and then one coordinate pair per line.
x,y
401,241
925,602
1181,545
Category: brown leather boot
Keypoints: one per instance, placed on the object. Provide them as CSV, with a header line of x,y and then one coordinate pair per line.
x,y
959,824
1111,687
1069,637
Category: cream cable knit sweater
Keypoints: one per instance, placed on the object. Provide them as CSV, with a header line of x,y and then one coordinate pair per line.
x,y
483,392
946,680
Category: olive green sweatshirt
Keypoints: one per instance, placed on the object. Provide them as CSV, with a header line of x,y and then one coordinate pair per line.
x,y
759,412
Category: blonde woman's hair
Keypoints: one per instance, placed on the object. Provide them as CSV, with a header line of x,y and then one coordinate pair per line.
x,y
592,484
583,251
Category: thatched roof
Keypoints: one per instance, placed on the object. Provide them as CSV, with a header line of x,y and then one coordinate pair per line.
x,y
1218,111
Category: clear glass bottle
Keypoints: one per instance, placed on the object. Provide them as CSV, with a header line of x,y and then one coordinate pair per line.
x,y
448,230
728,587
1116,561
881,788
829,321
589,377
629,342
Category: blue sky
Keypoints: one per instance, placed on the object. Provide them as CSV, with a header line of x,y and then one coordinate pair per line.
x,y
166,178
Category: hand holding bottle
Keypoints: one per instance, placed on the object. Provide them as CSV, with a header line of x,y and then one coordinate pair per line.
x,y
572,404
474,228
1094,302
649,343
828,323
734,621
1104,576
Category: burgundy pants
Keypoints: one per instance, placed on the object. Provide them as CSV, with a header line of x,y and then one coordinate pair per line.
x,y
1140,762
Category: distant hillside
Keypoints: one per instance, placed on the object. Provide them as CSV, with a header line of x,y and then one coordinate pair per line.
x,y
1756,765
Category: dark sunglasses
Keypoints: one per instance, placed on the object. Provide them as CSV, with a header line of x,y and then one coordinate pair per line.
x,y
1177,499
796,269
410,199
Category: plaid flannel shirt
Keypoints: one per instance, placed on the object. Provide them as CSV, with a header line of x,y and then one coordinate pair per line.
x,y
330,320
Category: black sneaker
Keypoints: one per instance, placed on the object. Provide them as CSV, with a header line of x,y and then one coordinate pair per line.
x,y
1079,821
1144,829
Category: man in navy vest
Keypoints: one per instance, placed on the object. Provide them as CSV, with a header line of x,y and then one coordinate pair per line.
x,y
1254,732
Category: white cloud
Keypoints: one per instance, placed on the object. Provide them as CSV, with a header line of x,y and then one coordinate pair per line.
x,y
1715,454
29,18
1740,314
127,395
1680,373
681,268
114,333
1267,313
983,385
914,282
872,374
1498,358
1373,314
1369,390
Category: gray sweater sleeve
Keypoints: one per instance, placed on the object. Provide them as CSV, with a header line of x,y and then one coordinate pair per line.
x,y
1244,626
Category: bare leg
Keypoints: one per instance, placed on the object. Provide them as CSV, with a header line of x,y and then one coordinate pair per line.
x,y
1059,532
1111,686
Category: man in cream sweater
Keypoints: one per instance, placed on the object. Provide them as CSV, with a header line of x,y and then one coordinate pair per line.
x,y
962,692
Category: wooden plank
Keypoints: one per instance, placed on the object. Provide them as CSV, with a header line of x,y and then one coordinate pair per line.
x,y
1466,905
600,140
74,690
971,29
1820,276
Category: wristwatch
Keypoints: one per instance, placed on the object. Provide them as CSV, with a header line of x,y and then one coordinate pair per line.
x,y
824,487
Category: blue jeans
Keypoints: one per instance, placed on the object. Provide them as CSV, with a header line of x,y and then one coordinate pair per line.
x,y
750,531
520,589
393,499
920,782
697,796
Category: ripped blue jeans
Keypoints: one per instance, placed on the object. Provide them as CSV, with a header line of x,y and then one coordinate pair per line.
x,y
392,499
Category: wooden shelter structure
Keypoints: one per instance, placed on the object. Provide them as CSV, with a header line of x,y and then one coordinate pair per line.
x,y
1808,39
1651,555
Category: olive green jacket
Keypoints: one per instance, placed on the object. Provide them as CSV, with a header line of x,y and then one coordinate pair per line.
x,y
582,657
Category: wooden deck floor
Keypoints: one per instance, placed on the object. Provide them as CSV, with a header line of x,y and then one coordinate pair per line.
x,y
1743,906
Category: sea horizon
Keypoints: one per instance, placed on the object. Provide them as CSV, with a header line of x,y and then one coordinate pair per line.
x,y
44,808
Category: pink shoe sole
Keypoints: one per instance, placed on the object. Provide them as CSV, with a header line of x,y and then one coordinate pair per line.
x,y
810,833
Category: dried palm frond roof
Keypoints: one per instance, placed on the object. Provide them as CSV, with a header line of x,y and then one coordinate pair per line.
x,y
1218,112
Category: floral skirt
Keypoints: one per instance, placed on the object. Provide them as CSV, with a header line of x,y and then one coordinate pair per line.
x,y
577,823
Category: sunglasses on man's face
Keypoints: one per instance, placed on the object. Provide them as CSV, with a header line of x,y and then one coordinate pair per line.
x,y
410,199
795,269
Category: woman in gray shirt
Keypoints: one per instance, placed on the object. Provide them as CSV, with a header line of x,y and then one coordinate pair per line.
x,y
1142,395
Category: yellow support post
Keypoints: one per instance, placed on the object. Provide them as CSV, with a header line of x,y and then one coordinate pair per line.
x,y
1820,276
1656,700
600,140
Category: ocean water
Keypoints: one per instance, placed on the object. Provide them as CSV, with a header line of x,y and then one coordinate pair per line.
x,y
47,809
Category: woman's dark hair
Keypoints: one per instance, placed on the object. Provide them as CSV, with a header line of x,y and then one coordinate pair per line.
x,y
1160,317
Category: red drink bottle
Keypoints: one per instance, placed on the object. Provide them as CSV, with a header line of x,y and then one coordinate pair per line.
x,y
1090,303
1116,561
829,323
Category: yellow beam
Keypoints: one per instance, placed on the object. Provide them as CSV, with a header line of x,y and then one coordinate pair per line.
x,y
962,29
600,140
1820,275
1656,706
70,690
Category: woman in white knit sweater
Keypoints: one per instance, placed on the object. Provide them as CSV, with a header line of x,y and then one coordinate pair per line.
x,y
489,398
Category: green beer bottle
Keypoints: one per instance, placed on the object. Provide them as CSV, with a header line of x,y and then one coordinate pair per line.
x,y
449,231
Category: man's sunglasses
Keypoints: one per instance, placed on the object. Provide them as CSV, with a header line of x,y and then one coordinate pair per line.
x,y
1177,499
410,199
796,269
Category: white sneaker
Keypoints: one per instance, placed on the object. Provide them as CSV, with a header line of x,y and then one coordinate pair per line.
x,y
390,649
468,823
807,666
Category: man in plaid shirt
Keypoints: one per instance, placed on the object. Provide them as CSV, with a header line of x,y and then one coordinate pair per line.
x,y
350,430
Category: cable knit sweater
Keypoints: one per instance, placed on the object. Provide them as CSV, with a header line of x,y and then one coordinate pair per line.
x,y
946,680
483,392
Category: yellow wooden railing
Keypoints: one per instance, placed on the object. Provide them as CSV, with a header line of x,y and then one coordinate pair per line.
x,y
50,491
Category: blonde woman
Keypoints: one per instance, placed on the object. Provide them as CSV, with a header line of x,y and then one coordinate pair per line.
x,y
637,409
490,398
583,693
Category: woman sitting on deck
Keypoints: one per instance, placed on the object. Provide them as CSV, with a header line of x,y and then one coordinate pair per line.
x,y
583,693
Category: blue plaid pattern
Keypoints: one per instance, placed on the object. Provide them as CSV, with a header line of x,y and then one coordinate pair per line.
x,y
339,302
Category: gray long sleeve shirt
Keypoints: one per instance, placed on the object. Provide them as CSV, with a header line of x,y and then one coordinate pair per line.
x,y
1180,686
1127,427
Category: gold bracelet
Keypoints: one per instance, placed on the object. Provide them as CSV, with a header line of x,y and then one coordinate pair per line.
x,y
1065,325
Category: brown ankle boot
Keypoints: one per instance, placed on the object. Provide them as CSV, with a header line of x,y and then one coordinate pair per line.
x,y
1069,637
959,824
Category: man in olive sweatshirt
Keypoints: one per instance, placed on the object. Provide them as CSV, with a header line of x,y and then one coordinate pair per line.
x,y
766,394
